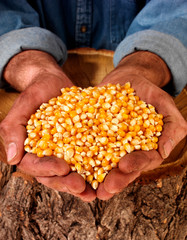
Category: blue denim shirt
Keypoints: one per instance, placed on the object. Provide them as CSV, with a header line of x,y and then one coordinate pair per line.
x,y
159,26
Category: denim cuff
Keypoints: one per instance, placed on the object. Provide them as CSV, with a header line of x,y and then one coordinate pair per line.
x,y
35,38
169,48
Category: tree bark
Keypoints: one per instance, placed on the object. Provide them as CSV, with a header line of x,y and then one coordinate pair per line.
x,y
153,207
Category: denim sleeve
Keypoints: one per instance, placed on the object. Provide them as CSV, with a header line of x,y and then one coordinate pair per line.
x,y
161,28
20,30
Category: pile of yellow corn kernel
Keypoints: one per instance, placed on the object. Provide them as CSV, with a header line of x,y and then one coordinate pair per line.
x,y
92,128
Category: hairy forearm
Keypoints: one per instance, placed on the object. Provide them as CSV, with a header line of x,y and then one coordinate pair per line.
x,y
24,68
147,65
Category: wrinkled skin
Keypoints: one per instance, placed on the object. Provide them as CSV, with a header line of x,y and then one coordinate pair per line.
x,y
39,84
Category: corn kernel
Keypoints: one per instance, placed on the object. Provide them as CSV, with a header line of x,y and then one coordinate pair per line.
x,y
100,178
93,128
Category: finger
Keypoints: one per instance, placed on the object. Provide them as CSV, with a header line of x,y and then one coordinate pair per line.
x,y
45,166
116,180
174,130
54,183
14,145
88,195
72,183
102,194
140,161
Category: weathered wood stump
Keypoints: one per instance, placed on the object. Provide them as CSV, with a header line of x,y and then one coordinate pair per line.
x,y
151,208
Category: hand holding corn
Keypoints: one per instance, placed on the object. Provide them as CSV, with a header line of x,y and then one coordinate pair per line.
x,y
55,172
37,75
147,74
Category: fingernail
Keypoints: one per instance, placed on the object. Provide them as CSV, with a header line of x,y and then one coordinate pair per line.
x,y
168,146
12,151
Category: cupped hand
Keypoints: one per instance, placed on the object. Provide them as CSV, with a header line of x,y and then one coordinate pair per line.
x,y
50,171
174,130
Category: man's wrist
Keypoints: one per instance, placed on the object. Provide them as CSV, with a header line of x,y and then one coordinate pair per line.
x,y
24,68
147,65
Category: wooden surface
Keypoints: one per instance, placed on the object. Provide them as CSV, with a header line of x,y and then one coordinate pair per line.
x,y
152,208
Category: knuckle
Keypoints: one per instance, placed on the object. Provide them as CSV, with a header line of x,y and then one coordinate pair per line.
x,y
4,128
133,165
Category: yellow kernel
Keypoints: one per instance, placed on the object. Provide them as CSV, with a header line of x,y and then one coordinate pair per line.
x,y
103,134
39,152
78,167
107,168
78,157
92,101
78,125
89,178
94,149
32,135
108,156
73,114
51,145
131,128
150,145
160,116
154,139
133,114
135,142
32,143
144,147
109,149
155,146
115,159
160,122
78,149
125,116
69,153
127,147
122,153
90,123
76,119
112,139
66,140
101,177
96,122
47,152
114,109
90,154
158,128
104,162
53,131
89,168
110,133
103,140
146,124
27,148
106,105
91,162
94,184
42,144
91,109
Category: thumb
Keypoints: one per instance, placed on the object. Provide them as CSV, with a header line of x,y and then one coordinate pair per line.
x,y
11,143
173,133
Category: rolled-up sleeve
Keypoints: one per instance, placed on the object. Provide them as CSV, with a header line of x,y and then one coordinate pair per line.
x,y
161,28
22,31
